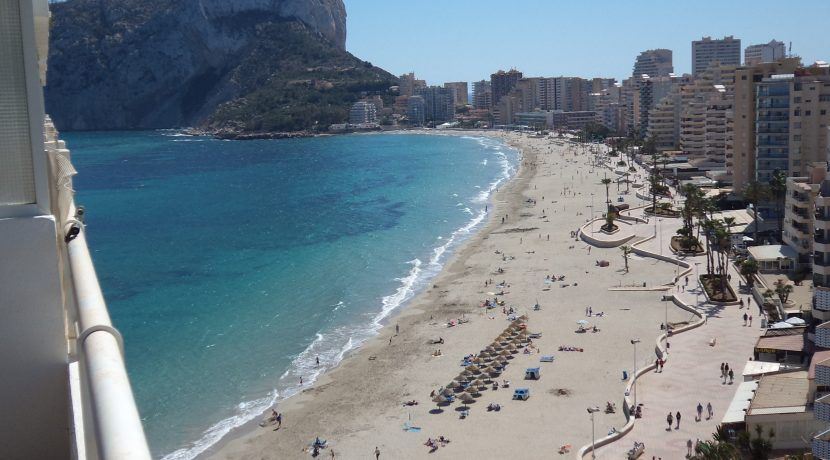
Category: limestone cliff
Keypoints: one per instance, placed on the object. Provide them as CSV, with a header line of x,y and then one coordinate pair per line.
x,y
136,64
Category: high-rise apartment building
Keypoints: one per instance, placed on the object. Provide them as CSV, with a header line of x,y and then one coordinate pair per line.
x,y
741,165
502,82
439,104
706,51
482,95
416,110
792,113
664,122
767,52
651,91
459,89
363,112
654,63
408,84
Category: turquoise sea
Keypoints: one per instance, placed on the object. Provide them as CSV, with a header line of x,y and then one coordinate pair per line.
x,y
229,266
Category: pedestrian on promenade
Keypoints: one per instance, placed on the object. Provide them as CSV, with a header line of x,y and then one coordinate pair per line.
x,y
750,320
726,368
662,363
699,412
742,303
709,409
687,281
377,453
670,421
689,448
677,416
731,376
745,318
721,370
657,365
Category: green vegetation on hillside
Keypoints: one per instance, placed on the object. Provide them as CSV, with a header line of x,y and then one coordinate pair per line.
x,y
292,79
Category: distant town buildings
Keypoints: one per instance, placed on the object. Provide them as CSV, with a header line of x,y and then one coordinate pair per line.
x,y
408,84
460,92
482,95
502,82
363,112
416,110
439,104
767,52
707,51
654,63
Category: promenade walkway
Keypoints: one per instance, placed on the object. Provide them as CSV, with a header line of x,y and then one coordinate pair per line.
x,y
692,372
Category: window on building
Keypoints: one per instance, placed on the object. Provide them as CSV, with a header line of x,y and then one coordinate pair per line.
x,y
797,87
823,112
797,99
806,113
796,137
743,77
797,113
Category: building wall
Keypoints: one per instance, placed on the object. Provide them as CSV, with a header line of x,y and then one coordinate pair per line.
x,y
746,78
767,52
502,82
706,51
482,95
654,63
460,90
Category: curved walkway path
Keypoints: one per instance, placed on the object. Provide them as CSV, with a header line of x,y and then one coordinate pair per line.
x,y
692,371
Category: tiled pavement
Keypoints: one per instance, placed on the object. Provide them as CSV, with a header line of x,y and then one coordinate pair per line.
x,y
691,375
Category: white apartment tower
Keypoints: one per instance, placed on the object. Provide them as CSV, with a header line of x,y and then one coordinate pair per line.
x,y
707,51
767,52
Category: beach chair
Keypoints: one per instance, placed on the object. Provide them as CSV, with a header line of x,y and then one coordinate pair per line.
x,y
546,359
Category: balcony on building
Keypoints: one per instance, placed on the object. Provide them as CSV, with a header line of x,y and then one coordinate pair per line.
x,y
821,445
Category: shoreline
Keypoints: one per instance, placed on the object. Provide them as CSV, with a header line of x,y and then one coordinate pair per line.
x,y
455,248
402,370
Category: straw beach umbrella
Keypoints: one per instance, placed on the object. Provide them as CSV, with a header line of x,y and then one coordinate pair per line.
x,y
473,368
454,384
478,383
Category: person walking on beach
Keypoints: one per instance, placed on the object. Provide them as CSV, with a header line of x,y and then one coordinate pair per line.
x,y
397,329
670,421
677,416
689,448
377,453
699,412
750,320
709,409
745,318
731,376
721,370
278,419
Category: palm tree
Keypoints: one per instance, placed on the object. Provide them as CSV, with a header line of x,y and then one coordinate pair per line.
x,y
778,192
626,250
755,192
716,450
783,290
749,268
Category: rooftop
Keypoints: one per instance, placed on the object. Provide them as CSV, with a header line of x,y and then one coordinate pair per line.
x,y
772,252
781,394
789,339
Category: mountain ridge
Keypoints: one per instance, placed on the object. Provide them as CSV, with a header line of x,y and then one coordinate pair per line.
x,y
146,64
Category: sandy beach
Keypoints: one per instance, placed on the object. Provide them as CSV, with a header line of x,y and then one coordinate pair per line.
x,y
359,405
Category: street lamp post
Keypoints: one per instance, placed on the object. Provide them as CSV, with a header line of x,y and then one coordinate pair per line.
x,y
591,411
661,236
666,308
592,213
634,372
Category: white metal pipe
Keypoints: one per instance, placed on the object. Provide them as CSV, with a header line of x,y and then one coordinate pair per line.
x,y
118,430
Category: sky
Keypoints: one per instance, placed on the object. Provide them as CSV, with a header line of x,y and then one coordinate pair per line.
x,y
467,40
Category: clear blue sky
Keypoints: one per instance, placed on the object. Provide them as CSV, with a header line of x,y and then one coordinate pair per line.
x,y
467,40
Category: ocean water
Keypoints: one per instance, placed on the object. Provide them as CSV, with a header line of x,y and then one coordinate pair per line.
x,y
229,266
